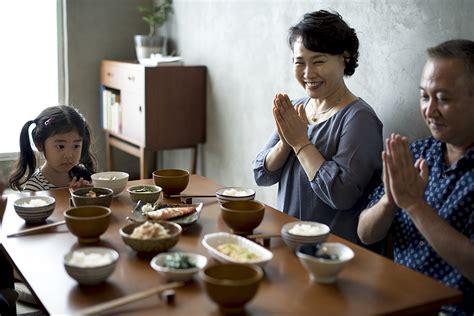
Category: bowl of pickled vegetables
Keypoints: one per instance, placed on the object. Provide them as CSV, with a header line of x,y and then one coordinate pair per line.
x,y
145,193
178,266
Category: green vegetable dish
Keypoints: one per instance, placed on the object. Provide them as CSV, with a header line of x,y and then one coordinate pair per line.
x,y
144,190
178,261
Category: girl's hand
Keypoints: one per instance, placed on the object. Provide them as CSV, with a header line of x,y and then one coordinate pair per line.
x,y
81,183
291,126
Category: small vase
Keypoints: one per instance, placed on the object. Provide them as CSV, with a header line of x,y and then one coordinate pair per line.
x,y
146,45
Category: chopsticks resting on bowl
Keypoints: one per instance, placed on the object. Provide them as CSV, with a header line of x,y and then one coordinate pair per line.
x,y
192,196
262,236
100,308
36,229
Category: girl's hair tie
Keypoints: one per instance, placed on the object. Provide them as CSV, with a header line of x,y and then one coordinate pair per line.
x,y
48,121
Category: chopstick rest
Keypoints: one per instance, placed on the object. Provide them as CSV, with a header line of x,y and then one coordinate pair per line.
x,y
100,308
35,229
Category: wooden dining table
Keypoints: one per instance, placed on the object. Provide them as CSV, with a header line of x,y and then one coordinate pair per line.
x,y
369,284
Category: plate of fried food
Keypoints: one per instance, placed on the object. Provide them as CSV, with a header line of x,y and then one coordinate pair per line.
x,y
182,214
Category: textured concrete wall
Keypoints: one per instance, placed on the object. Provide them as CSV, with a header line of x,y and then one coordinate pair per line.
x,y
97,30
243,44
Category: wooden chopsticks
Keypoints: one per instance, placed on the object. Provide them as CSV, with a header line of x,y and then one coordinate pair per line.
x,y
35,229
100,308
192,196
262,236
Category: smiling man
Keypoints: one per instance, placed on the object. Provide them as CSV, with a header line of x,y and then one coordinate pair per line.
x,y
427,198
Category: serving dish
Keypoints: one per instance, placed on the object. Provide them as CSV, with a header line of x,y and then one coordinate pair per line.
x,y
213,240
137,215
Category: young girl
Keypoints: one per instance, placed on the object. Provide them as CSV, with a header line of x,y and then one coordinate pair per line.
x,y
63,136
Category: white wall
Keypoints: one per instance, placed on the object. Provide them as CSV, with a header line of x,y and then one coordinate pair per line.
x,y
243,44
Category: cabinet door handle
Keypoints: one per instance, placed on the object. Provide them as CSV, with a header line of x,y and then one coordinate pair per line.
x,y
140,108
131,78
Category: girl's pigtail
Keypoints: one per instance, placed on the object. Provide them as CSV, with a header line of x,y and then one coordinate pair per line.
x,y
26,162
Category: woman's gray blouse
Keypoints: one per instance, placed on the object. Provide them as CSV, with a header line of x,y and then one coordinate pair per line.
x,y
351,143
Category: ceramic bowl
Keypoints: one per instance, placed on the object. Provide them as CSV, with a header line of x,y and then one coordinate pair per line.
x,y
231,286
158,263
90,265
88,223
84,196
242,216
144,193
115,180
212,242
324,270
154,245
318,233
172,181
234,194
34,209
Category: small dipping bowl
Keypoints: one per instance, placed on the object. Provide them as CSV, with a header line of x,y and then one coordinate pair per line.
x,y
322,268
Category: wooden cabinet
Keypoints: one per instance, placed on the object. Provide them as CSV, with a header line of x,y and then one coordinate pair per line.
x,y
146,109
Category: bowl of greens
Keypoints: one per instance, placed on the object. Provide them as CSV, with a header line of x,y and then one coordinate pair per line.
x,y
178,266
145,193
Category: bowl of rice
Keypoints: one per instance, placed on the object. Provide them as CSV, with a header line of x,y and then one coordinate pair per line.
x,y
151,236
90,265
34,209
227,194
299,233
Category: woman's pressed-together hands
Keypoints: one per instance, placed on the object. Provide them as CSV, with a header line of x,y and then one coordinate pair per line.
x,y
404,181
291,123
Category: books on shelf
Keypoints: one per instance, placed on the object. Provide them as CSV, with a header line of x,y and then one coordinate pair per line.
x,y
111,111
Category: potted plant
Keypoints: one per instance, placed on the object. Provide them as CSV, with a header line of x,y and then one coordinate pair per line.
x,y
155,17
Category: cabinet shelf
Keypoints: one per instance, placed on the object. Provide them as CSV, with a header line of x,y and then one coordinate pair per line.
x,y
147,109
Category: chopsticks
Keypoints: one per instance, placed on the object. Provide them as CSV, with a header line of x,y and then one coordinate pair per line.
x,y
191,196
263,236
36,229
100,308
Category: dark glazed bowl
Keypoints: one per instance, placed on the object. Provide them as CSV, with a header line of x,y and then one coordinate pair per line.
x,y
172,181
103,198
231,286
88,222
242,216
